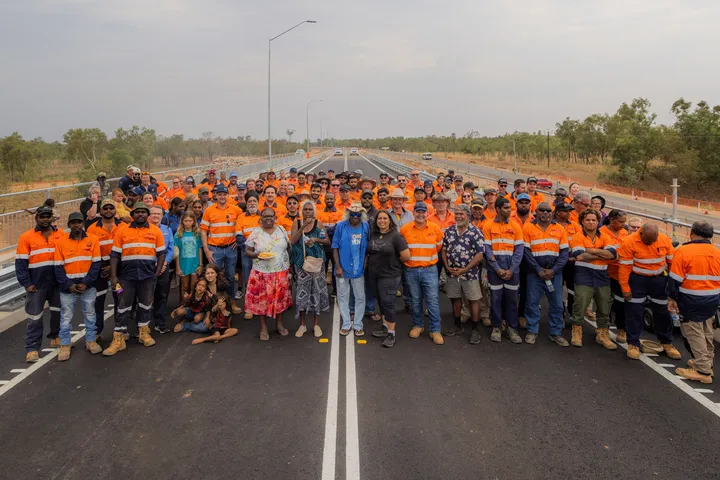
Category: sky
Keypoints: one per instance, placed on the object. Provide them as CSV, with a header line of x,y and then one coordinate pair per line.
x,y
381,67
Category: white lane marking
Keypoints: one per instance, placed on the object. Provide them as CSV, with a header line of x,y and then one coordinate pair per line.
x,y
672,378
703,390
47,350
352,440
81,325
3,382
345,168
649,354
331,413
666,365
39,364
311,168
73,332
373,164
18,370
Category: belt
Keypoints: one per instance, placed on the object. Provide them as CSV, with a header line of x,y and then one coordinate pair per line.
x,y
220,246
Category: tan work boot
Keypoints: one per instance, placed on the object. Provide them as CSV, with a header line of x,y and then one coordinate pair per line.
x,y
32,356
118,343
576,340
522,321
486,322
602,337
416,332
633,352
621,336
144,336
55,342
93,347
671,351
64,354
437,338
692,374
235,309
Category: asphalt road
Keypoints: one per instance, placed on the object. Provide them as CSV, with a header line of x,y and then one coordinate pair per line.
x,y
259,410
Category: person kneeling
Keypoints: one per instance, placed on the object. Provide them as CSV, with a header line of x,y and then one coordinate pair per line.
x,y
218,320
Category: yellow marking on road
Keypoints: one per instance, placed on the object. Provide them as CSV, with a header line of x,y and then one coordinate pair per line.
x,y
323,340
362,342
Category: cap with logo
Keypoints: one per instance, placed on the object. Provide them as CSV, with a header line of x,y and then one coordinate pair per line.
x,y
136,191
564,207
107,202
233,174
344,188
203,190
524,196
532,179
420,207
220,188
502,180
367,193
490,191
44,210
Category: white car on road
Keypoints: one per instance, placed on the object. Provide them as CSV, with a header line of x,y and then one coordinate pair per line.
x,y
354,151
338,152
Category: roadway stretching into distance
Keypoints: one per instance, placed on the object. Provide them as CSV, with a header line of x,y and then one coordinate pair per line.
x,y
299,409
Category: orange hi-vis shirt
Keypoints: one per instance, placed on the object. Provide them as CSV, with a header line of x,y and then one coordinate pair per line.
x,y
340,205
287,222
424,243
182,195
173,192
219,223
648,260
138,248
502,237
490,214
593,273
535,199
448,221
210,187
572,229
514,217
355,195
77,261
545,247
695,280
35,258
162,188
330,219
574,217
617,239
246,223
278,208
105,237
387,206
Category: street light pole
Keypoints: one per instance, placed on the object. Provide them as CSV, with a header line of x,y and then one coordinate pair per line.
x,y
269,58
307,124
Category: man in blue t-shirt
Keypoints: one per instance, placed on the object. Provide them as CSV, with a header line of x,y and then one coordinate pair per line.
x,y
348,245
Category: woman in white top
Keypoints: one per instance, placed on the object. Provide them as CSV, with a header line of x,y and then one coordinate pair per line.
x,y
269,292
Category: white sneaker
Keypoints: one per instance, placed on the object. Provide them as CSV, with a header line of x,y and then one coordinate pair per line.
x,y
318,331
238,295
300,331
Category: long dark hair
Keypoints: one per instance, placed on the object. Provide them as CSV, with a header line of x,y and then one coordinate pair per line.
x,y
375,224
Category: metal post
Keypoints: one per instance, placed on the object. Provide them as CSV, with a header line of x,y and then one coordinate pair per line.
x,y
548,149
307,128
674,208
515,170
269,134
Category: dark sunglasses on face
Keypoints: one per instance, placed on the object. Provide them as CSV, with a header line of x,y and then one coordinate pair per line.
x,y
356,214
108,207
544,210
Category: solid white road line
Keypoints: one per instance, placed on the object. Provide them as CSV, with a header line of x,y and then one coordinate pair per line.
x,y
314,167
373,164
18,370
693,393
331,413
3,382
352,440
345,168
26,372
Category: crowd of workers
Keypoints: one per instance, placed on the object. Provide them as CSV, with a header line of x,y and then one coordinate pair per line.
x,y
495,253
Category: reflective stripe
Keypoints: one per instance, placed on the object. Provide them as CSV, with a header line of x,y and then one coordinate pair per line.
x,y
123,310
421,245
517,242
58,263
700,293
106,257
509,241
649,260
649,272
545,252
138,257
619,298
546,240
42,250
578,249
76,275
564,245
700,277
571,292
669,257
144,307
160,249
250,229
677,277
496,287
138,245
222,224
502,253
101,293
204,222
626,262
638,300
117,249
423,259
591,265
527,245
511,287
218,235
78,259
54,309
41,264
21,256
35,317
106,242
658,301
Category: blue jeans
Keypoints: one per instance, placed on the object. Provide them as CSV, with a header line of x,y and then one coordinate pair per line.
x,y
536,288
343,296
68,302
191,326
369,300
226,259
423,284
247,264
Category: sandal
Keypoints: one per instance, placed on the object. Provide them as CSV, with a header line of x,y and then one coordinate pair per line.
x,y
344,332
376,317
178,327
282,331
264,336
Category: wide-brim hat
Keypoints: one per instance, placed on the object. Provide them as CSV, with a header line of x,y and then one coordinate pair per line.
x,y
398,193
356,207
366,179
651,346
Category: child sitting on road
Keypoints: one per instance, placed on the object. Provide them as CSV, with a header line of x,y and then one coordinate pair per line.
x,y
218,320
195,310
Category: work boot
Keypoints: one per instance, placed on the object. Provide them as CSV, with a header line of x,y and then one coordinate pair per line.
x,y
93,347
560,340
437,338
621,336
633,352
692,374
475,335
389,340
32,356
530,338
55,342
522,322
691,363
576,340
601,337
671,351
456,329
415,332
117,344
486,322
496,335
64,354
512,334
144,336
236,310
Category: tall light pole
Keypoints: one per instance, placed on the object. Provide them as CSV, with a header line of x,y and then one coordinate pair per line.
x,y
269,57
307,124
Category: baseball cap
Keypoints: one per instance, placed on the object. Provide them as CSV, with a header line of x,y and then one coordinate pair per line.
x,y
44,210
564,207
470,185
220,188
233,174
420,207
211,171
489,191
293,170
137,191
383,190
367,192
428,183
561,192
344,188
419,189
329,170
130,167
293,197
106,202
524,196
532,179
75,216
241,186
478,201
102,174
458,177
203,190
502,180
189,180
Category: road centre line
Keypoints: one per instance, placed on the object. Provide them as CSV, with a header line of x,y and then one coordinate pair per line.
x,y
331,413
313,167
672,378
371,163
352,440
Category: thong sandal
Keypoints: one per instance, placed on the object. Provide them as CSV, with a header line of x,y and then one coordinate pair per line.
x,y
282,331
376,317
264,336
178,327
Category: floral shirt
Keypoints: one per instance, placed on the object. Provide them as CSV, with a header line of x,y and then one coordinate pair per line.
x,y
461,249
276,243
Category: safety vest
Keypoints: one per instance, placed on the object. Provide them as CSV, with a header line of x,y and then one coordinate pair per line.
x,y
138,248
246,223
219,223
105,237
424,243
617,239
593,273
695,280
648,260
442,223
545,246
35,258
77,261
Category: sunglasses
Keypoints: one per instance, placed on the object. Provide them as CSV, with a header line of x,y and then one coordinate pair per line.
x,y
266,217
108,207
544,210
335,185
356,214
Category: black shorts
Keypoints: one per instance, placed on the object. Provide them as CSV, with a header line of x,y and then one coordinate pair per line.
x,y
221,331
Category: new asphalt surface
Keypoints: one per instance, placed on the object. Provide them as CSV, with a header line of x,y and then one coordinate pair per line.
x,y
245,409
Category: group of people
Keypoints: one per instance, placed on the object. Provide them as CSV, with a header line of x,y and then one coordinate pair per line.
x,y
494,253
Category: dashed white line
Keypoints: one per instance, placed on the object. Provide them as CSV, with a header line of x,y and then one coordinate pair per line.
x,y
666,365
703,390
331,413
3,382
18,370
47,350
352,440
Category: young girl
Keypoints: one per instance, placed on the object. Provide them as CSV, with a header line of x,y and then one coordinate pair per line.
x,y
188,255
194,313
218,320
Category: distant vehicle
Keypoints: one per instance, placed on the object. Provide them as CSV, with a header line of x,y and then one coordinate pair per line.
x,y
299,151
354,151
338,152
427,156
385,149
544,183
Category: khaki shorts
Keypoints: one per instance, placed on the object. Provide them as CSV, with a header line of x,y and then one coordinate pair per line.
x,y
457,288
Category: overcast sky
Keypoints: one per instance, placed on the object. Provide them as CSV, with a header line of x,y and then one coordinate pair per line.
x,y
382,68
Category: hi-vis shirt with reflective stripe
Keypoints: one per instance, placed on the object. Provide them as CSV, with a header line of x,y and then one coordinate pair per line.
x,y
219,223
616,240
35,258
138,249
330,219
591,274
245,224
77,261
572,229
695,280
504,244
105,237
648,260
545,249
423,243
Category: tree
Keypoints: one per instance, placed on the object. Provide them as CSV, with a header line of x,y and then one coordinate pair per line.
x,y
568,133
290,133
16,156
638,139
140,142
86,145
700,132
209,145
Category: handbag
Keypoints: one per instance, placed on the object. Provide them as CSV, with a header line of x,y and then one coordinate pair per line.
x,y
311,264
